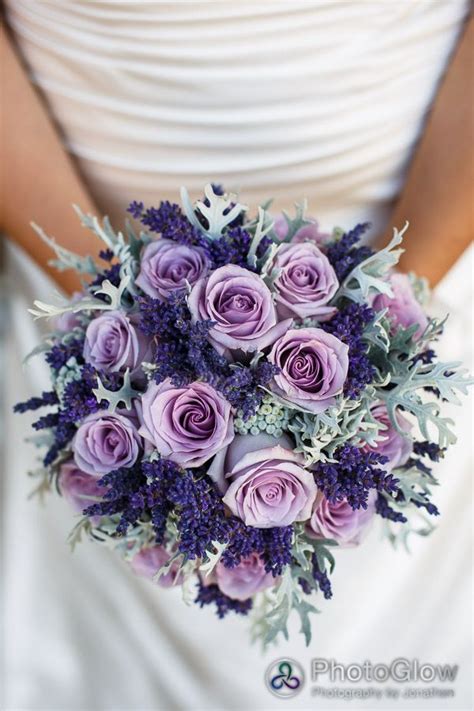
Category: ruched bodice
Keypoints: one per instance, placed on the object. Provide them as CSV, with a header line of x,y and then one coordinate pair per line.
x,y
321,99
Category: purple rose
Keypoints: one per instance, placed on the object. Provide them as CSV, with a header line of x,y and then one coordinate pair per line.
x,y
167,266
307,233
189,424
113,343
104,442
78,488
340,522
148,561
403,309
267,483
246,579
391,443
306,282
241,306
313,368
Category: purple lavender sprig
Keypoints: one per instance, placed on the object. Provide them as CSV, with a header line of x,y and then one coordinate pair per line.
x,y
383,508
348,325
345,254
184,354
353,475
169,221
211,594
274,545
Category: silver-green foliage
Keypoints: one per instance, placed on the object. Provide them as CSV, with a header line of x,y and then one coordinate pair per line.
x,y
219,213
369,277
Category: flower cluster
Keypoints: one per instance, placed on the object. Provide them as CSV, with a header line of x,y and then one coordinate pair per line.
x,y
233,397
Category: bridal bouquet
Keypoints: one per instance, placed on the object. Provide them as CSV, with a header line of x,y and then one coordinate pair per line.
x,y
233,399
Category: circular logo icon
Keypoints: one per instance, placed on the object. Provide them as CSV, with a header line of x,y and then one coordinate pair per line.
x,y
284,678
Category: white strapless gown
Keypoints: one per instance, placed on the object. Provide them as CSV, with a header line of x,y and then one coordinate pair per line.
x,y
321,99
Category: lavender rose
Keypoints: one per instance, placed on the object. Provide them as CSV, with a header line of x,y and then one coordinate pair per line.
x,y
391,444
167,266
113,343
268,483
340,522
104,442
313,368
79,488
189,424
147,563
246,579
403,309
306,282
306,233
241,307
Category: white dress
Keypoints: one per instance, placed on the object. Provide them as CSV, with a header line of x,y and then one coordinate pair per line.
x,y
321,99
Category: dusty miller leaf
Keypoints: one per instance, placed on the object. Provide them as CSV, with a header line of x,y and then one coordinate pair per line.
x,y
115,241
212,559
88,303
410,380
219,213
124,395
294,223
262,228
65,258
83,526
368,277
272,618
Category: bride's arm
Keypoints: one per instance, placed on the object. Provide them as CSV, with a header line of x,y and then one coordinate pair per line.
x,y
39,180
437,198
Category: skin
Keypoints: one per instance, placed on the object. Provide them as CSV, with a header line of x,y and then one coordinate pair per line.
x,y
436,198
30,188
